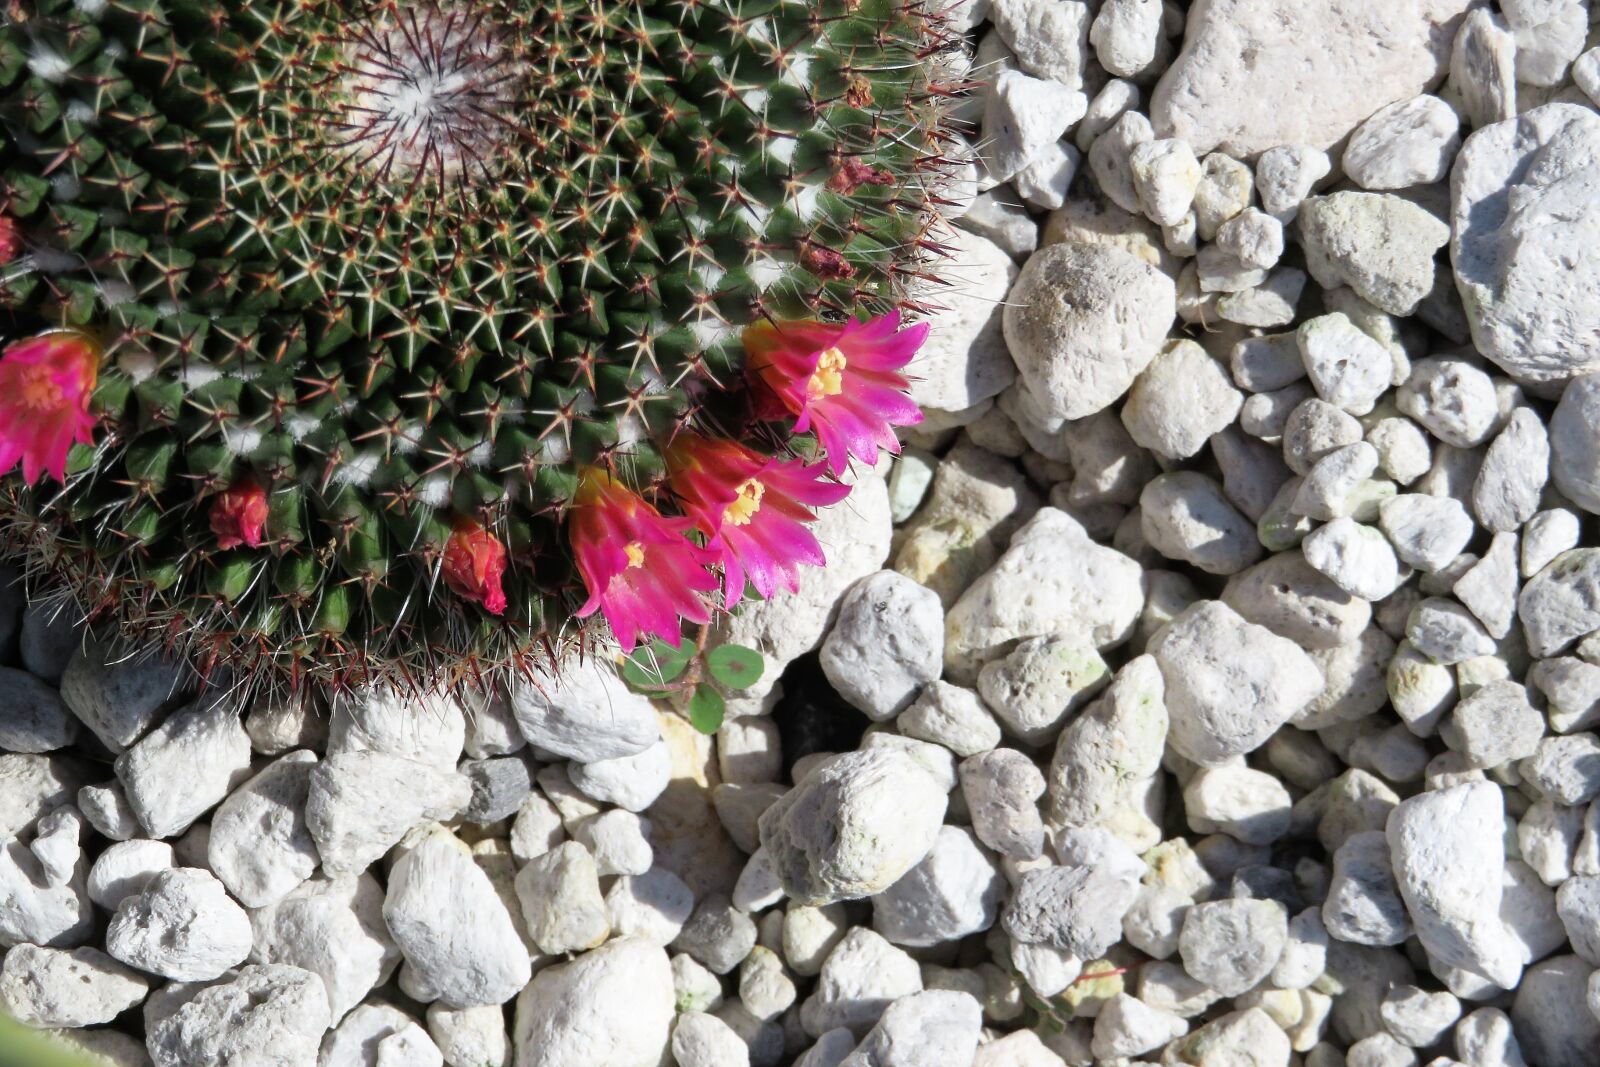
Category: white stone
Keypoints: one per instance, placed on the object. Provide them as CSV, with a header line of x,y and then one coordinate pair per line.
x,y
1126,35
182,926
185,767
1441,843
631,782
1186,516
266,1014
964,360
429,729
1049,37
1165,175
377,1035
1561,603
561,902
1253,237
954,891
1180,400
125,868
653,905
119,694
701,1040
49,987
952,716
1427,532
612,1006
1515,468
1356,558
1229,683
1110,159
1489,587
451,926
1022,116
1285,176
1127,1026
1452,399
1409,142
1254,74
618,841
470,1037
260,846
1575,443
335,929
1082,322
1379,244
937,1026
1483,68
853,827
860,978
1041,683
585,713
885,645
1107,761
1547,47
361,804
1052,579
1044,182
1347,367
1524,193
1248,805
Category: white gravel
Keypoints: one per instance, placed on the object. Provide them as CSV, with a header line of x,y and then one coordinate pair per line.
x,y
1225,647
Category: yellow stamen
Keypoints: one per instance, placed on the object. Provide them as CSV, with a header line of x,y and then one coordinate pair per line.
x,y
39,389
745,504
828,378
635,553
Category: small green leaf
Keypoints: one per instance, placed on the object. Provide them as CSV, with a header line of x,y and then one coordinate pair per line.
x,y
705,710
655,664
735,666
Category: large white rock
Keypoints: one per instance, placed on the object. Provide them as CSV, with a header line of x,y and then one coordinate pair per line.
x,y
608,1008
853,826
1082,321
1441,843
585,712
429,729
185,767
334,928
1575,443
265,1016
1255,74
181,925
953,892
1526,200
1229,683
1052,579
964,360
361,804
939,1026
457,937
35,910
260,845
886,644
49,987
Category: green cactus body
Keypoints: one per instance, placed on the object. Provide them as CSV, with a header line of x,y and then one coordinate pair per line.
x,y
401,262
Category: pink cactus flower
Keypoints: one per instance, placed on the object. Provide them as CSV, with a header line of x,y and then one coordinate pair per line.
x,y
753,510
838,379
46,383
239,514
642,572
474,565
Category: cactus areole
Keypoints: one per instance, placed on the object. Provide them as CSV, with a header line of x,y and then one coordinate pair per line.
x,y
318,315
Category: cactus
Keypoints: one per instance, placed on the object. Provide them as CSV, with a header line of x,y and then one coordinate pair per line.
x,y
372,283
